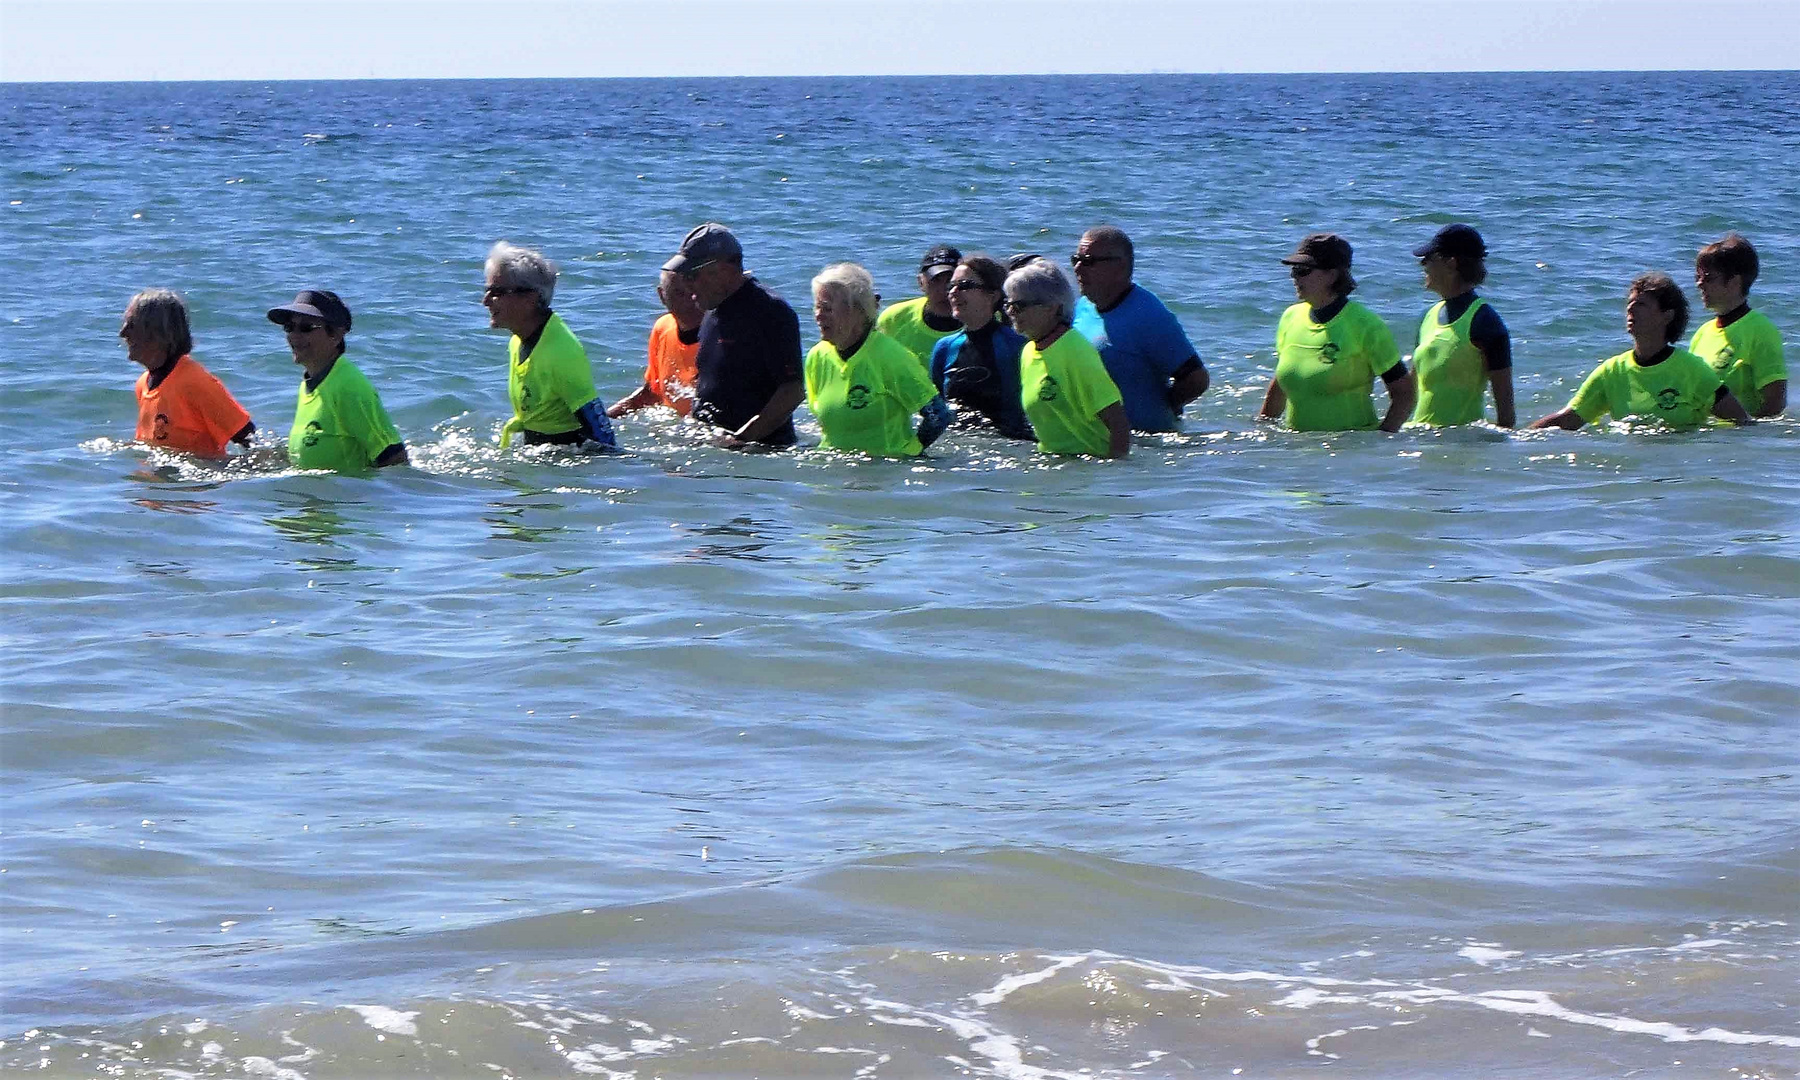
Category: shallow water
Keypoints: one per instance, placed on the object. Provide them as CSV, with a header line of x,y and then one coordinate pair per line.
x,y
1457,753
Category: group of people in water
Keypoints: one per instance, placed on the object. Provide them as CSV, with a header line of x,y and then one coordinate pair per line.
x,y
1015,347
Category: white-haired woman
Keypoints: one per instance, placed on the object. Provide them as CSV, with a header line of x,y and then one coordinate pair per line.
x,y
862,385
548,378
1071,401
181,406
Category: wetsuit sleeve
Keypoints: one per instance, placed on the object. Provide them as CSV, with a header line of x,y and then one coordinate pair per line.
x,y
940,362
595,425
1488,331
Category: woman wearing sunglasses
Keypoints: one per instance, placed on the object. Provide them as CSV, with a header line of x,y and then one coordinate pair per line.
x,y
1329,349
339,421
548,379
1067,395
977,368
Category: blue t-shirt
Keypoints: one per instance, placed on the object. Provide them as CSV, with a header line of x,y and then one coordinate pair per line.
x,y
1143,345
1087,320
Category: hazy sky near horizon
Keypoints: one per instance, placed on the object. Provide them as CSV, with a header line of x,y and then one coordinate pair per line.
x,y
79,40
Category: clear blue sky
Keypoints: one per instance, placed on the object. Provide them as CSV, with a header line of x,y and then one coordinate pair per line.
x,y
293,39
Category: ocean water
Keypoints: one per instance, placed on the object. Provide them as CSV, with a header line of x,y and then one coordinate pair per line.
x,y
1452,754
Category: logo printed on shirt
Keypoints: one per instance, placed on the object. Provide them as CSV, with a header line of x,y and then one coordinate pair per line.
x,y
1048,390
161,433
1328,352
313,430
525,396
1668,398
858,397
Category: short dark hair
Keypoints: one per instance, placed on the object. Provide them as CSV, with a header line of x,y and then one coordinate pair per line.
x,y
987,269
1668,296
1471,268
1114,236
1731,257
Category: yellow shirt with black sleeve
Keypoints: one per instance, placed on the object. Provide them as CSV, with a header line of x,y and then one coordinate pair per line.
x,y
867,402
1453,372
1328,370
547,386
1746,355
905,323
340,423
1679,390
1063,389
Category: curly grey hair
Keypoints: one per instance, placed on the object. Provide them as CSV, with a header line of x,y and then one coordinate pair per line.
x,y
523,268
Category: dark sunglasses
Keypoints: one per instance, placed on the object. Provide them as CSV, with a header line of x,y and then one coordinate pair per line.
x,y
494,292
967,286
1078,260
1301,271
1014,307
295,326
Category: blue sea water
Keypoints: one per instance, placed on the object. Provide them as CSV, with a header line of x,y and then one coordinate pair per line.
x,y
1463,753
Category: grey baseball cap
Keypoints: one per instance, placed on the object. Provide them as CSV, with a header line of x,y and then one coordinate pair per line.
x,y
705,245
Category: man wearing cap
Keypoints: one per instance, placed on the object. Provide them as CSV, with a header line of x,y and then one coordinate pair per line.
x,y
920,323
339,422
1145,350
1329,349
747,371
1463,345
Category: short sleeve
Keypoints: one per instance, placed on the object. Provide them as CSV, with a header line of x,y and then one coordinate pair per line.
x,y
784,345
1769,361
376,432
1590,401
574,378
653,373
1167,342
910,385
1094,389
221,413
1378,345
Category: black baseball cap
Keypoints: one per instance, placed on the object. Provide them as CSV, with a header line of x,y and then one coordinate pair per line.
x,y
1456,241
314,303
1323,251
705,245
942,257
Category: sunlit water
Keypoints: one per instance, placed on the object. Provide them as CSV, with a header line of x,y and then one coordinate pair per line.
x,y
1454,754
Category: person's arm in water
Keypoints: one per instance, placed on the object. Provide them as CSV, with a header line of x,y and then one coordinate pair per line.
x,y
393,455
933,419
1500,382
1403,394
775,412
1118,430
1567,419
1274,402
1774,399
641,398
1726,406
1189,382
242,438
595,427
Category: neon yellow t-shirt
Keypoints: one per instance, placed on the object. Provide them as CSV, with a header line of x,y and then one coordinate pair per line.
x,y
549,385
905,323
1063,389
1452,371
1679,391
340,424
1745,355
867,402
1328,370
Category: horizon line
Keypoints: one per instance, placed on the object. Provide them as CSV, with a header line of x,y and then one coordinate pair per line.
x,y
1166,73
